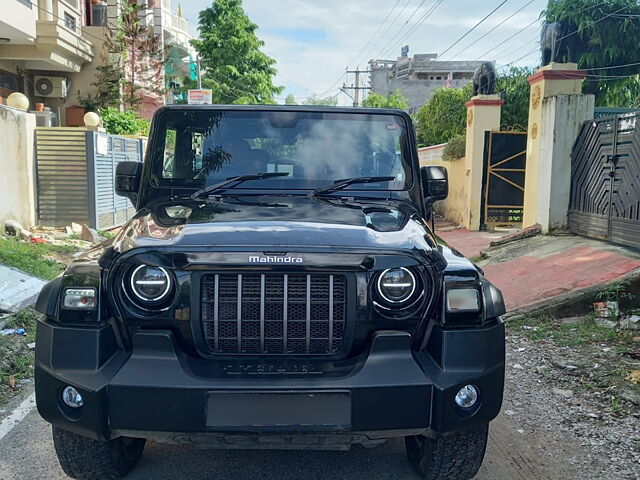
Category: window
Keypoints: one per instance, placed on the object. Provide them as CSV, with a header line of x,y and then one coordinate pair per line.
x,y
69,21
314,148
26,3
168,163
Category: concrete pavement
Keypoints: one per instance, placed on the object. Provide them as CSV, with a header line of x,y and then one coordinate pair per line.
x,y
534,270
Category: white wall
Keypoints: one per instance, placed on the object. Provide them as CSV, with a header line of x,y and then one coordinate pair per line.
x,y
17,182
562,118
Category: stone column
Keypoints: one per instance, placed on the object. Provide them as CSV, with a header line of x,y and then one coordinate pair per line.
x,y
483,114
46,10
557,110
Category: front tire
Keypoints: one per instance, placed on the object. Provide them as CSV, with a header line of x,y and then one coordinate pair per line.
x,y
83,458
456,456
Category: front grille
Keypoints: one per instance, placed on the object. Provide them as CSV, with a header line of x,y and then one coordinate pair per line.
x,y
273,313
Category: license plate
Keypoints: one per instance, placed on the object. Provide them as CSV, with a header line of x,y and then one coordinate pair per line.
x,y
264,410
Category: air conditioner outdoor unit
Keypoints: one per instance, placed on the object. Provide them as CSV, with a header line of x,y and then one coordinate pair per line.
x,y
52,87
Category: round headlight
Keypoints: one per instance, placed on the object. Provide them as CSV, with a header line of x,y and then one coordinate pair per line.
x,y
396,285
150,284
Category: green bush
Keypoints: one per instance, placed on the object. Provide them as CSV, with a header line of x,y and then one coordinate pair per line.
x,y
123,123
443,117
395,99
455,149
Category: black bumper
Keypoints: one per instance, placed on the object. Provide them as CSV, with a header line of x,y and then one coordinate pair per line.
x,y
158,389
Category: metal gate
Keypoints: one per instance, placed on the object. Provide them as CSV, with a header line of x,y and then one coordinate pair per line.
x,y
75,171
605,180
505,156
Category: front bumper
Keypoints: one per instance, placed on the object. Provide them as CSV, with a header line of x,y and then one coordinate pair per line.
x,y
159,392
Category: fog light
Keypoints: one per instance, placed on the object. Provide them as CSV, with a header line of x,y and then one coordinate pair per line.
x,y
71,397
467,396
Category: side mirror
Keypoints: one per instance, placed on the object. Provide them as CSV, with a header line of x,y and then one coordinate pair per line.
x,y
127,182
435,183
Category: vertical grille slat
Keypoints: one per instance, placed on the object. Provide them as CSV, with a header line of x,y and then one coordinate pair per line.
x,y
285,315
330,312
239,313
308,315
216,325
262,295
273,313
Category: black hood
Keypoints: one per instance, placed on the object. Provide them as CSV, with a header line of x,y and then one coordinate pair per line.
x,y
280,222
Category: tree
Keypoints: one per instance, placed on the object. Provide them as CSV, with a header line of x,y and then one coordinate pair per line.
x,y
395,99
234,66
608,32
290,100
322,102
132,62
513,88
444,116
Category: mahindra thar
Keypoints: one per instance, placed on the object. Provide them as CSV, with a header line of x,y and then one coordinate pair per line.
x,y
279,286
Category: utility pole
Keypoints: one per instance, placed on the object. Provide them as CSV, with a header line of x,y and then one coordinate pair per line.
x,y
199,73
356,88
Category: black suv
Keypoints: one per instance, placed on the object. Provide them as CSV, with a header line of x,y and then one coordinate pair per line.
x,y
279,287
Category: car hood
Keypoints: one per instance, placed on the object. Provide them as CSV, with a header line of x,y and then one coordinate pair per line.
x,y
268,222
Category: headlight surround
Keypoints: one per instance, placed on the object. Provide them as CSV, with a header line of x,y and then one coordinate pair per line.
x,y
150,284
397,286
148,288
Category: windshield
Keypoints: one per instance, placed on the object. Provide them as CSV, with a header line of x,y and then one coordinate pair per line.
x,y
200,148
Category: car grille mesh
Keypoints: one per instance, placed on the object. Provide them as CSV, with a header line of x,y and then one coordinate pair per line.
x,y
273,313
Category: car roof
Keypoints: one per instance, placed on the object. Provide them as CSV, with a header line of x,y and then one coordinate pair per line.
x,y
286,108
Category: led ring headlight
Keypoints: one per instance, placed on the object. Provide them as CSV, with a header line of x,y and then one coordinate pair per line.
x,y
396,285
150,284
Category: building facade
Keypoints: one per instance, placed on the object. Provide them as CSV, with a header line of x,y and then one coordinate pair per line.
x,y
419,76
50,50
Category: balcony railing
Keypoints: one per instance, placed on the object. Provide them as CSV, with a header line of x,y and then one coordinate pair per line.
x,y
178,23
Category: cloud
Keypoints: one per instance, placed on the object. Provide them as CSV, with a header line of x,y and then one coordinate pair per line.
x,y
314,41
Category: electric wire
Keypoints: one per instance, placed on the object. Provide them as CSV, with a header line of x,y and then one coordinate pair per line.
x,y
492,29
423,19
474,27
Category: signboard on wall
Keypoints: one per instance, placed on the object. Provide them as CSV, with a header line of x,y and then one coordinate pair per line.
x,y
200,97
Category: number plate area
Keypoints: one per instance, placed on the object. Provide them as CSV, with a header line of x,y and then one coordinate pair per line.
x,y
278,411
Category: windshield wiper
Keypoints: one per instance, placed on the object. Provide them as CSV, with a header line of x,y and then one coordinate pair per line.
x,y
340,184
238,180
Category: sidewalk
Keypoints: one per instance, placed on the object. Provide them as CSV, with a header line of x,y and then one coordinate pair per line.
x,y
536,269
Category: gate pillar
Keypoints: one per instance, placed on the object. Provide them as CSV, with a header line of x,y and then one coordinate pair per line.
x,y
557,110
483,114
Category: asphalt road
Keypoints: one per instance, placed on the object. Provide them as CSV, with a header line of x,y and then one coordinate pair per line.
x,y
26,453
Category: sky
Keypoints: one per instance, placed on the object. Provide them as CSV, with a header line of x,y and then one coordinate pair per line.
x,y
314,41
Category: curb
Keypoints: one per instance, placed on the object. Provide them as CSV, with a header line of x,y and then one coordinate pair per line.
x,y
576,302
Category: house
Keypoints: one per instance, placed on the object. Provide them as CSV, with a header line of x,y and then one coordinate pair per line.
x,y
42,49
419,76
50,50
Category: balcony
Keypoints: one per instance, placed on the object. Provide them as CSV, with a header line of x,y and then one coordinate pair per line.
x,y
54,39
18,21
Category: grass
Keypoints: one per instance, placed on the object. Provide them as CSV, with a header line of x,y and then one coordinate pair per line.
x,y
582,342
578,334
106,234
39,259
27,319
16,359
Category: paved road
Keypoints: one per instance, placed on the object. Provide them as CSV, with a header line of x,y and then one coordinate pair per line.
x,y
26,453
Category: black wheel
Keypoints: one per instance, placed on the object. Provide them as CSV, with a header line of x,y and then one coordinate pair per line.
x,y
456,456
87,459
